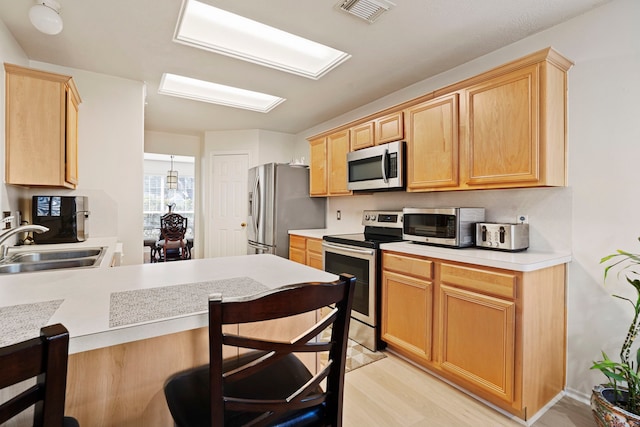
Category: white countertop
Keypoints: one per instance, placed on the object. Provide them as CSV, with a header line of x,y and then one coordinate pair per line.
x,y
86,293
529,260
314,233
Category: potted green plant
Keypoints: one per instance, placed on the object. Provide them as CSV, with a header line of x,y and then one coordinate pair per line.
x,y
618,402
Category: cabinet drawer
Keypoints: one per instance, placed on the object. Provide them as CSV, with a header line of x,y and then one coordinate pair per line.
x,y
502,284
297,242
417,267
314,245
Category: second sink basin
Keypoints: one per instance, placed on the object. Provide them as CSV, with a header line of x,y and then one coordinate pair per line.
x,y
51,259
52,255
23,267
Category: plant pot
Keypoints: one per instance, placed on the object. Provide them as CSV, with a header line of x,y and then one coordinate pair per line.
x,y
608,415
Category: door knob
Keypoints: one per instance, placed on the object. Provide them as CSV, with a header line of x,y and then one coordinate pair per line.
x,y
243,224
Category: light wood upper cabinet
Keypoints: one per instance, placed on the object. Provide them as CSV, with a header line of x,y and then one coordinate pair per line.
x,y
41,128
504,128
338,145
362,136
328,175
318,167
389,128
515,127
432,144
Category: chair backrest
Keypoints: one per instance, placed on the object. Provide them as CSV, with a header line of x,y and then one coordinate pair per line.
x,y
280,303
44,358
173,226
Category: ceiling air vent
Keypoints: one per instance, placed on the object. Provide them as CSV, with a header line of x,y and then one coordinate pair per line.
x,y
369,10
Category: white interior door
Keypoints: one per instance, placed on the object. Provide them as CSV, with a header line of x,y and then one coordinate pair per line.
x,y
228,204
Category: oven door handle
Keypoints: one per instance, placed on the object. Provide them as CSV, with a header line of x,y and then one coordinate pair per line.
x,y
348,249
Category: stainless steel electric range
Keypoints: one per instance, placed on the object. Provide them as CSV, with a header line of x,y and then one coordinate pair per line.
x,y
359,254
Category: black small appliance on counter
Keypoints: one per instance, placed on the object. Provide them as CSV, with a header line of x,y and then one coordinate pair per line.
x,y
64,216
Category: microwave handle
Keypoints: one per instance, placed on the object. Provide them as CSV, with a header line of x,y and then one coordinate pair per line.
x,y
384,165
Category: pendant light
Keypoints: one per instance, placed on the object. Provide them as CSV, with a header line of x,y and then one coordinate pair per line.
x,y
172,178
45,16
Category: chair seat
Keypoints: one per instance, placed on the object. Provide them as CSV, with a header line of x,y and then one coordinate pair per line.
x,y
172,244
187,392
70,422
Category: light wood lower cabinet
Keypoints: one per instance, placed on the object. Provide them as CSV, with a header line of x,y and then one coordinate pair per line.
x,y
306,250
499,334
298,249
407,308
314,253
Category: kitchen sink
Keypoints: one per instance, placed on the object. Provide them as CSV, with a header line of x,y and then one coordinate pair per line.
x,y
51,259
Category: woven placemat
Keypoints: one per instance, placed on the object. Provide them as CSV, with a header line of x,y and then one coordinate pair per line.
x,y
23,321
143,305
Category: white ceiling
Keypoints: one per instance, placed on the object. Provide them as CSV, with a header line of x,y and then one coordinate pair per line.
x,y
413,41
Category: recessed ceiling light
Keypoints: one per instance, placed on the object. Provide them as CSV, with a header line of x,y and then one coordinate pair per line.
x,y
207,27
200,90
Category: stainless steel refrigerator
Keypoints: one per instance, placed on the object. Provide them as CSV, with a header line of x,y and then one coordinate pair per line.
x,y
278,202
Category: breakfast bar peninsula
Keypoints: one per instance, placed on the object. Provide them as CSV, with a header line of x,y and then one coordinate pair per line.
x,y
132,326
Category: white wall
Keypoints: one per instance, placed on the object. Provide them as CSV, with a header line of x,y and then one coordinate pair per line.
x,y
110,155
12,53
110,141
598,212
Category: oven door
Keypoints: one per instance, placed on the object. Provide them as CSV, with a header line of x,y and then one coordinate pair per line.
x,y
360,262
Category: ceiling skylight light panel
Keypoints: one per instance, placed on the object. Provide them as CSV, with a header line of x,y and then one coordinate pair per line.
x,y
207,27
200,90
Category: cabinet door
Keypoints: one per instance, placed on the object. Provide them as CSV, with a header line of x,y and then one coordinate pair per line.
x,y
35,128
361,136
432,144
37,119
502,130
338,146
407,313
71,142
314,253
318,167
297,249
389,128
477,340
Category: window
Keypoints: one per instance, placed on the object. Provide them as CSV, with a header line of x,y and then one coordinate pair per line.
x,y
157,197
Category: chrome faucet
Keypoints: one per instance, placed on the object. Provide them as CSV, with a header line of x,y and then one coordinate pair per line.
x,y
23,228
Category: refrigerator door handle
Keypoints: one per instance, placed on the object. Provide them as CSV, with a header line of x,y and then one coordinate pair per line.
x,y
256,204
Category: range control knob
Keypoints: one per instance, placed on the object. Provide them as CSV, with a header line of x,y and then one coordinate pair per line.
x,y
366,217
373,217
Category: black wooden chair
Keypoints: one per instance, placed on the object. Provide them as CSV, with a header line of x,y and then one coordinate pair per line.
x,y
44,358
172,243
268,386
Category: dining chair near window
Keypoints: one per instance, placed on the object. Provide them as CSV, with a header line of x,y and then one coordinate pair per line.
x,y
43,358
269,385
172,243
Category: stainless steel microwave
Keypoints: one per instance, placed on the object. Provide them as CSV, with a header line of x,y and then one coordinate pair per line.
x,y
377,168
453,227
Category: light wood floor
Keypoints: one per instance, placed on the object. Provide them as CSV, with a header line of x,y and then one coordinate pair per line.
x,y
392,392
